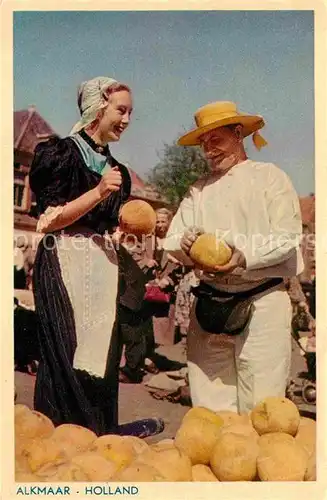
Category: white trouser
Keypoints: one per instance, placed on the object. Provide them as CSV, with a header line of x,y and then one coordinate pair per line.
x,y
235,373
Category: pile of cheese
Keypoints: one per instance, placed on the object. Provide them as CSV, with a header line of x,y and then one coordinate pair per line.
x,y
272,443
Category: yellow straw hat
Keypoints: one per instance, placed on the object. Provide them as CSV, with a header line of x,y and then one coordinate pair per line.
x,y
219,114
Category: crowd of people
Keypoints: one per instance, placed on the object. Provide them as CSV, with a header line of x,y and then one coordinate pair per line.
x,y
97,305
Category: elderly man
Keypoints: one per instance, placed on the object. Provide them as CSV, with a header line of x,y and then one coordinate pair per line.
x,y
244,354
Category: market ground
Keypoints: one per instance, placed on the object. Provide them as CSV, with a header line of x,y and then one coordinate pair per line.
x,y
135,402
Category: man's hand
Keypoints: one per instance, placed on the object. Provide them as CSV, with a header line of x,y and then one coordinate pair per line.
x,y
189,237
237,260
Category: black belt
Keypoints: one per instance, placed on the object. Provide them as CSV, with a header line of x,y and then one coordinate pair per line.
x,y
205,290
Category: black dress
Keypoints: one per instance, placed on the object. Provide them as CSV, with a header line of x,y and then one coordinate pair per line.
x,y
66,394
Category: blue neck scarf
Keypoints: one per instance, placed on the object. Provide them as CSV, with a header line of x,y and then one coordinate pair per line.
x,y
95,161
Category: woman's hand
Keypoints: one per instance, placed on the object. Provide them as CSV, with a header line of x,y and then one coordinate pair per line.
x,y
110,181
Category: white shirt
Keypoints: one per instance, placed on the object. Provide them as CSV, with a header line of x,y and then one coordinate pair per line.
x,y
254,208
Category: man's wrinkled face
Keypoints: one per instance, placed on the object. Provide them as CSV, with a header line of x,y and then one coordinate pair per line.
x,y
221,147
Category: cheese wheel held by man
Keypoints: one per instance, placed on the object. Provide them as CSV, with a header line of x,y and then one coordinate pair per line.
x,y
137,217
209,251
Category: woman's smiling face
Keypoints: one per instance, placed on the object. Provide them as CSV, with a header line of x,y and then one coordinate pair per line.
x,y
116,116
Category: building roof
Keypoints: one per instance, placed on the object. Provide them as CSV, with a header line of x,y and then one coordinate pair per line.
x,y
29,129
145,191
137,182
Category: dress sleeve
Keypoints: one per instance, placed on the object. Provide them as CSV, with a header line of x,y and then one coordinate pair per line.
x,y
48,217
51,174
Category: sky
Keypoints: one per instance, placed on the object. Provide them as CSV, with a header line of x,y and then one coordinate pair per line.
x,y
176,62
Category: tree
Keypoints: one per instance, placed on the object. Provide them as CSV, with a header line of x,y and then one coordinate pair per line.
x,y
179,167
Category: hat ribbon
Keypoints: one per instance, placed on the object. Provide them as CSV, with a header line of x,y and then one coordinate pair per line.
x,y
258,140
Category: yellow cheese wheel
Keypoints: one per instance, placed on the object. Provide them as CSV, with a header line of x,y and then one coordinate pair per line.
x,y
208,251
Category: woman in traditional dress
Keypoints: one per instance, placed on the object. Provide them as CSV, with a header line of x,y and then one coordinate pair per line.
x,y
79,188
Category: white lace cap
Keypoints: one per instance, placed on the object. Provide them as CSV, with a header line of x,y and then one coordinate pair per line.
x,y
91,99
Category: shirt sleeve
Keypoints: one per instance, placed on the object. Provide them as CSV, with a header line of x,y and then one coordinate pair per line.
x,y
183,219
282,242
